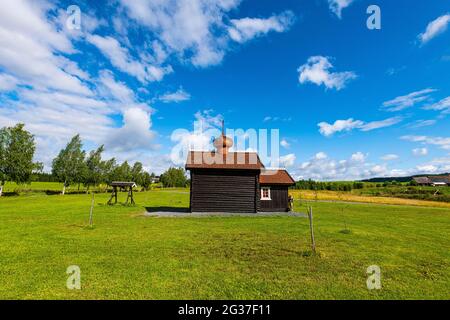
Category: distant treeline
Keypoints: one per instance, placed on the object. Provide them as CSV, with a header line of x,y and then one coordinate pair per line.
x,y
401,179
344,185
72,165
332,186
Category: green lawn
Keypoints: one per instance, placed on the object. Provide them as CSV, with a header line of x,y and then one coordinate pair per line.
x,y
129,256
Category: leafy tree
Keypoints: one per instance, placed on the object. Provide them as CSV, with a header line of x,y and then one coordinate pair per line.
x,y
137,173
17,149
146,180
122,172
174,177
69,166
96,168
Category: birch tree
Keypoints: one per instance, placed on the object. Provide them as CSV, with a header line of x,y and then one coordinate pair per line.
x,y
69,166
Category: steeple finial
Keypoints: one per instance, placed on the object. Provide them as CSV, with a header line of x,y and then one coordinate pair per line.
x,y
223,127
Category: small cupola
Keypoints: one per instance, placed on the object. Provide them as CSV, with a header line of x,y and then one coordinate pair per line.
x,y
223,143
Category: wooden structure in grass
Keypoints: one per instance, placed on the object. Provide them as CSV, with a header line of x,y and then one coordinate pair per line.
x,y
226,181
122,185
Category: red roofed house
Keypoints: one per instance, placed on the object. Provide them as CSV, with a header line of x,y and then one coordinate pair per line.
x,y
224,181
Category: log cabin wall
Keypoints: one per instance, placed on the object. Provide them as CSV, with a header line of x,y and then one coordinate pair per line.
x,y
279,202
215,190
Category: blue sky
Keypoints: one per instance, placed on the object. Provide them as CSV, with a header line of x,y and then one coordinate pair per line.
x,y
350,103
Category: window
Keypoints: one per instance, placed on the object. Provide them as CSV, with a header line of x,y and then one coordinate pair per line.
x,y
265,194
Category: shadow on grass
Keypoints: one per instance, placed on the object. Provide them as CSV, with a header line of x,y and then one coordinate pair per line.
x,y
166,209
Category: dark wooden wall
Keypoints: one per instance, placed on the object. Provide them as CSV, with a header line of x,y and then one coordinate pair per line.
x,y
224,190
279,202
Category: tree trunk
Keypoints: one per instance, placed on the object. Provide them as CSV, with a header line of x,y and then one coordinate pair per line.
x,y
1,190
64,188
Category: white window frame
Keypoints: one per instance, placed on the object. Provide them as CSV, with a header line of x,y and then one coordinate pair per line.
x,y
262,194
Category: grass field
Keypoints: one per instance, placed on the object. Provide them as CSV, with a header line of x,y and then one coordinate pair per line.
x,y
323,195
130,256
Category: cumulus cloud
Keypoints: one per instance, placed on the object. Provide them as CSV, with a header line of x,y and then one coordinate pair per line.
x,y
178,96
420,152
135,133
435,28
390,157
285,144
245,29
198,31
317,70
288,161
328,129
338,5
121,58
206,126
55,98
409,100
31,48
322,167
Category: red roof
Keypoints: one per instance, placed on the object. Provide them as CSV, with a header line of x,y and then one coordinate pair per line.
x,y
281,177
231,160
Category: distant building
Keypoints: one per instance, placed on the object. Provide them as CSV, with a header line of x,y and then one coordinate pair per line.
x,y
433,181
155,179
224,181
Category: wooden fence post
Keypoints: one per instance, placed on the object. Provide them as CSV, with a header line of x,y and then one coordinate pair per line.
x,y
311,227
91,217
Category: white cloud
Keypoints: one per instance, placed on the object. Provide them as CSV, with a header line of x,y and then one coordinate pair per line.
x,y
285,144
358,157
443,106
274,119
205,127
380,124
121,58
338,5
317,70
427,168
438,165
390,157
443,143
135,133
179,96
245,29
328,129
197,31
288,160
435,28
320,156
8,82
421,124
420,152
407,101
31,48
322,167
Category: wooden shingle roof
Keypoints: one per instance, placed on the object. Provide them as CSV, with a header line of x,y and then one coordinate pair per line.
x,y
279,177
230,160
